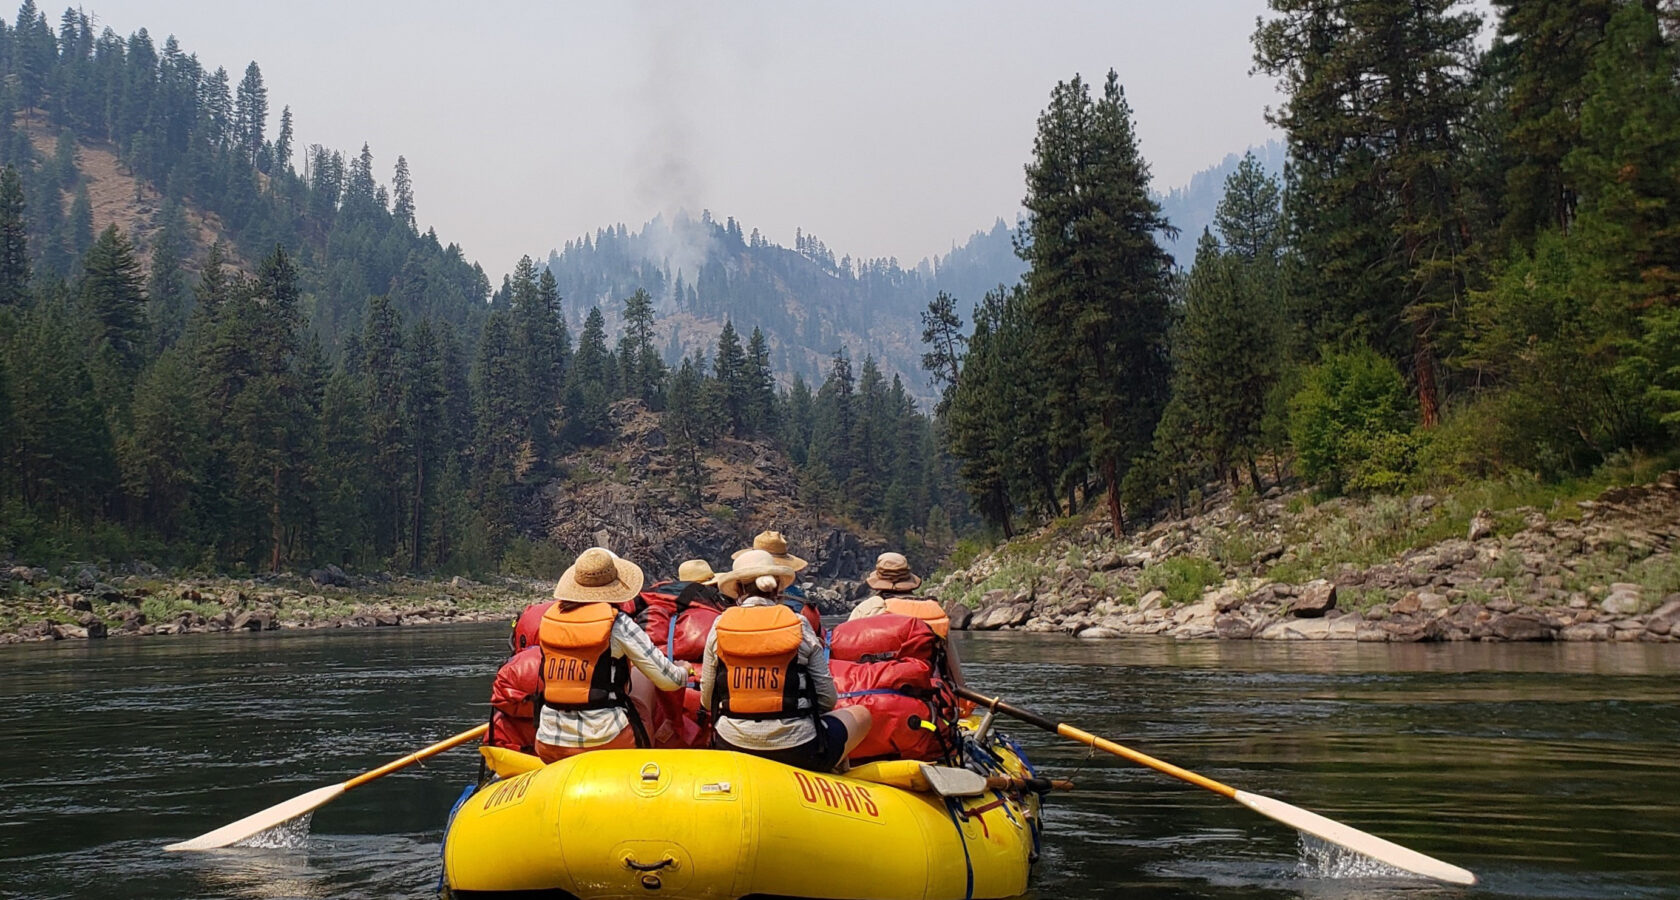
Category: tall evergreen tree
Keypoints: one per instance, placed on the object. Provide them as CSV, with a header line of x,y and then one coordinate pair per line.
x,y
729,369
942,332
1098,286
402,195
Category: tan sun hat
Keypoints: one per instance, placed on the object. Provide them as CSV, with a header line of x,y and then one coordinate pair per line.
x,y
750,565
696,570
892,573
599,577
773,543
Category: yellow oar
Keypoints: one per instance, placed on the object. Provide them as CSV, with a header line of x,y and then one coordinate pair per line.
x,y
1310,822
259,822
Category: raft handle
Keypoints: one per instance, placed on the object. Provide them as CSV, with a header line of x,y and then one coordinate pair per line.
x,y
668,862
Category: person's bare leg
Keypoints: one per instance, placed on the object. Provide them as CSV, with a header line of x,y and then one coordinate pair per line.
x,y
645,697
857,721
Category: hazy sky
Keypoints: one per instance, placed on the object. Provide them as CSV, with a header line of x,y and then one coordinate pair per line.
x,y
886,128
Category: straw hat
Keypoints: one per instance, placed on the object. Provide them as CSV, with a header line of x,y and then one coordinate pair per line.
x,y
892,573
696,570
773,543
599,577
749,566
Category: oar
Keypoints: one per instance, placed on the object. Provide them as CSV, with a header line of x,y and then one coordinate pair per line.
x,y
1310,822
259,822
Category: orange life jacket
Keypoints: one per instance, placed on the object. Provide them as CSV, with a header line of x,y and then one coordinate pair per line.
x,y
579,671
928,611
759,673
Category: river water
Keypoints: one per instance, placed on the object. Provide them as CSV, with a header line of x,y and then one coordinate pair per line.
x,y
1552,771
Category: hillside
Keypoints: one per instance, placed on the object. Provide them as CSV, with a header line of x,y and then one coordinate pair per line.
x,y
809,302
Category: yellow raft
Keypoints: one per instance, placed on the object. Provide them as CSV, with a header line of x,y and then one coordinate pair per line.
x,y
717,825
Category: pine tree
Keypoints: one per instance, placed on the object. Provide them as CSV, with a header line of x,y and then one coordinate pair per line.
x,y
942,333
78,234
587,385
251,113
422,410
1540,59
761,385
689,427
1098,286
163,460
402,195
729,368
1379,93
644,372
113,300
383,386
166,286
283,143
1249,217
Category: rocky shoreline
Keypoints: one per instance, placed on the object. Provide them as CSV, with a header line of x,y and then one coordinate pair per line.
x,y
1598,570
87,603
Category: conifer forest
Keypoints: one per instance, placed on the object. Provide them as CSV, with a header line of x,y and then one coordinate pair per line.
x,y
1469,267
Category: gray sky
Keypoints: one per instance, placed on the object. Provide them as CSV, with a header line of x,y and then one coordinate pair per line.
x,y
886,128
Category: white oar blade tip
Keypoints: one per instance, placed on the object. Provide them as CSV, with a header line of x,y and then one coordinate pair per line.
x,y
1358,841
260,821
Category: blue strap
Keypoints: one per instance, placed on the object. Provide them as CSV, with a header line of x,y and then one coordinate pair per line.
x,y
671,636
952,804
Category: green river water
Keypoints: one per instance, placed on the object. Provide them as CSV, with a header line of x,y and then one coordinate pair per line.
x,y
1551,770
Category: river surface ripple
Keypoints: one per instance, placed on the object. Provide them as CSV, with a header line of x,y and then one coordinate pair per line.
x,y
1552,771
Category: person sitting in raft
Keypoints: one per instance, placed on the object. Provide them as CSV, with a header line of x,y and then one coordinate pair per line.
x,y
773,543
765,677
588,648
512,715
895,587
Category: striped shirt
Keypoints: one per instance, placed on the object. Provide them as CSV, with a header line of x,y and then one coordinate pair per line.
x,y
772,734
594,727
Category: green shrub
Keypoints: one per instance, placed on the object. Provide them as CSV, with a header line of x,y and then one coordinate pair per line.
x,y
1351,423
1181,578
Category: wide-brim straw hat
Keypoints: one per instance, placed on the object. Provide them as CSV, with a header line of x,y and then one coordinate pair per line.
x,y
892,573
773,543
598,576
696,570
750,565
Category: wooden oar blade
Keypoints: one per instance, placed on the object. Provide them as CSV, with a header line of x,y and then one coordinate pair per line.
x,y
258,822
1358,841
949,781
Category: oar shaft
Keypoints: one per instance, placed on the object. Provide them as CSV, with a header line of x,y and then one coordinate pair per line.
x,y
1084,737
416,756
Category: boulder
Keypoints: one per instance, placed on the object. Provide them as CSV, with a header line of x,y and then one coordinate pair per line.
x,y
1233,627
1666,618
253,620
1408,605
1151,600
1008,615
1297,630
1481,525
387,620
1521,627
77,602
1623,600
69,632
1314,600
1590,631
1098,632
959,614
1429,601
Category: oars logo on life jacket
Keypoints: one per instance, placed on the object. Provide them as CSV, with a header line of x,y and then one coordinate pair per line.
x,y
566,669
764,678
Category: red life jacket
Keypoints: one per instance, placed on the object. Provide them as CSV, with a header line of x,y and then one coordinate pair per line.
x,y
525,628
579,671
892,665
759,673
512,716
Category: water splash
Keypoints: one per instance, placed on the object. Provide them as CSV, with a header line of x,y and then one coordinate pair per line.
x,y
1322,859
288,835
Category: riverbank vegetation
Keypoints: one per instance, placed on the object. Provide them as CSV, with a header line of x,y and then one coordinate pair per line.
x,y
1463,285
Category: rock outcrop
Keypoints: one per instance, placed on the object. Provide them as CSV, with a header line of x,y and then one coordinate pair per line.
x,y
1520,575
